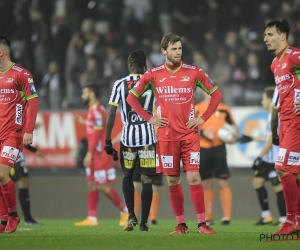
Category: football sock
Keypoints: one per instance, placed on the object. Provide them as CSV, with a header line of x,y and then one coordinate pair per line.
x,y
226,202
146,198
93,198
154,206
289,187
9,195
197,197
128,192
3,208
137,203
298,199
25,203
177,202
281,204
262,196
209,201
116,200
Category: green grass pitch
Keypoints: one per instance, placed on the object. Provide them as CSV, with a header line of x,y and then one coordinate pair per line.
x,y
62,234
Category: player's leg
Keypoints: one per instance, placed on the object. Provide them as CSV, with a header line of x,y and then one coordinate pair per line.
x,y
169,164
93,198
191,159
147,168
297,177
10,148
128,158
221,172
136,177
3,213
206,173
156,186
258,183
275,181
286,166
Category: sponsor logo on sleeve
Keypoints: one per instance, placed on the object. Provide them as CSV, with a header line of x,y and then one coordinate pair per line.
x,y
188,66
167,161
32,89
10,153
30,80
19,110
17,68
211,81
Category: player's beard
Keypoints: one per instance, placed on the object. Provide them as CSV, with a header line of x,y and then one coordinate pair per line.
x,y
86,101
173,60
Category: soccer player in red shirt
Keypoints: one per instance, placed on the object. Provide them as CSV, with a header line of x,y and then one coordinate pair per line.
x,y
174,84
285,68
17,94
100,171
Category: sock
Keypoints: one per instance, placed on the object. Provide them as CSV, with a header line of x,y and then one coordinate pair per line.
x,y
298,198
93,198
25,203
137,203
289,187
209,201
128,192
262,196
9,195
116,200
281,204
3,208
197,197
226,202
177,202
146,198
154,206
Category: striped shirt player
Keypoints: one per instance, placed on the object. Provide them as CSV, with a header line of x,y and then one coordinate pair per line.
x,y
136,131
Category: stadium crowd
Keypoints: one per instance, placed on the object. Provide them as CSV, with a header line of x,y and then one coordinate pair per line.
x,y
68,44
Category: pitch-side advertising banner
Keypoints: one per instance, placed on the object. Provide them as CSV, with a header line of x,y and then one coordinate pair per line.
x,y
59,135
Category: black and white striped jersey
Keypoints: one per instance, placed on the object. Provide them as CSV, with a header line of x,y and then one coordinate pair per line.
x,y
136,131
275,99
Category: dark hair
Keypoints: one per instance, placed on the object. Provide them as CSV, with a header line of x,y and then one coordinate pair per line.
x,y
269,91
4,41
169,38
282,26
138,57
93,88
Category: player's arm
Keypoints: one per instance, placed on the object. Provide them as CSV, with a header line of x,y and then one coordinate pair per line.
x,y
110,122
27,84
267,146
230,120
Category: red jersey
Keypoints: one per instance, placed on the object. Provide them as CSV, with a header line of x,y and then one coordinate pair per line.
x,y
286,70
174,91
16,87
95,128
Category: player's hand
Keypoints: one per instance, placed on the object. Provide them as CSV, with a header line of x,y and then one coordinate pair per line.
x,y
245,139
256,164
40,155
297,108
87,160
208,134
194,123
275,140
80,119
110,150
27,139
158,121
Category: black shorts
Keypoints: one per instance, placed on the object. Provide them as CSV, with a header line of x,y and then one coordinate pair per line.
x,y
141,158
156,179
266,170
18,171
213,163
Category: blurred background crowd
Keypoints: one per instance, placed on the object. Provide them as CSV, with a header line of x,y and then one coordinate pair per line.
x,y
67,44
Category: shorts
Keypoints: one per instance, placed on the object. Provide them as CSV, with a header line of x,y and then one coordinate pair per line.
x,y
19,170
288,158
10,149
143,158
156,179
171,152
102,169
213,163
266,171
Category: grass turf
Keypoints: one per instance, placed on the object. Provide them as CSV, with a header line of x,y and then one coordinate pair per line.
x,y
62,234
